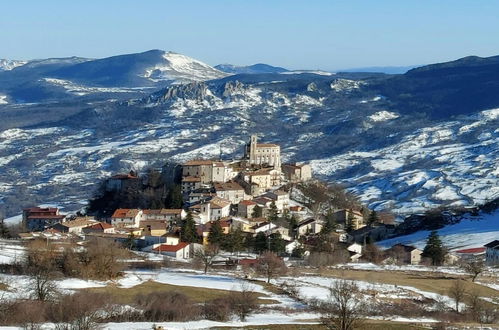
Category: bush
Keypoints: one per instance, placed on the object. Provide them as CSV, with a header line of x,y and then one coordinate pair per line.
x,y
167,306
219,309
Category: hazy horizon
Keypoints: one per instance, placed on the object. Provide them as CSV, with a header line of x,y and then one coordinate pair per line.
x,y
326,35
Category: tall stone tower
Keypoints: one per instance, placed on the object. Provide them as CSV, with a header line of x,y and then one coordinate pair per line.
x,y
253,144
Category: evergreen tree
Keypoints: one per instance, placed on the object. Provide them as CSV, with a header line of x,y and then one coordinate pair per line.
x,y
260,244
434,249
4,231
273,213
373,218
216,234
277,243
293,223
329,224
188,229
257,212
174,197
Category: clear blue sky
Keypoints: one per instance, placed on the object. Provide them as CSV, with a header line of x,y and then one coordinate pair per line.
x,y
308,34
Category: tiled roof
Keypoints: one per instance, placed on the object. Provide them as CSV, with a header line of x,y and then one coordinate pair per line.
x,y
227,186
100,225
125,213
191,179
247,202
218,203
162,211
198,162
170,248
79,222
472,250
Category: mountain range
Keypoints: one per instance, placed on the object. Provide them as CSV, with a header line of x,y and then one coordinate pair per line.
x,y
405,142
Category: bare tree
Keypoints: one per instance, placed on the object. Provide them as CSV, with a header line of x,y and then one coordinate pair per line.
x,y
457,292
473,267
270,265
243,302
40,264
343,310
206,256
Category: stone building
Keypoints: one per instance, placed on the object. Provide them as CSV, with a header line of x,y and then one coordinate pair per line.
x,y
207,170
263,154
297,172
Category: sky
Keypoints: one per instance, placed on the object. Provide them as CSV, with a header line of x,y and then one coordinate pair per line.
x,y
320,34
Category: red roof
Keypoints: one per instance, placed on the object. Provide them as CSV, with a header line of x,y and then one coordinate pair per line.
x,y
171,248
125,213
472,250
101,226
247,202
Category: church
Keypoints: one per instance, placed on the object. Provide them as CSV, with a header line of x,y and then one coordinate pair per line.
x,y
263,154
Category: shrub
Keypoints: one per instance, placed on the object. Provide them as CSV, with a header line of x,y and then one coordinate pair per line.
x,y
167,306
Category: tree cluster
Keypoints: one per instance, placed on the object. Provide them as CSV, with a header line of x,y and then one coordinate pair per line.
x,y
152,190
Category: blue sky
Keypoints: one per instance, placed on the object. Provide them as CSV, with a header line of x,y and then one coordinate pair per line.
x,y
309,34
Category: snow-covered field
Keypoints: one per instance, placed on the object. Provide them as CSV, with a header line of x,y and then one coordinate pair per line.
x,y
469,233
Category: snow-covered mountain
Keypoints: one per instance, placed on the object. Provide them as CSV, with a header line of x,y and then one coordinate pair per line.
x,y
362,130
250,69
6,65
122,76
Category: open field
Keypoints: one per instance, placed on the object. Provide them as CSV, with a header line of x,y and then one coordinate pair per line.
x,y
197,294
432,282
367,325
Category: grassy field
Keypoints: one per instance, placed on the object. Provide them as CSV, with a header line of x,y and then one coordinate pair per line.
x,y
367,325
127,295
433,282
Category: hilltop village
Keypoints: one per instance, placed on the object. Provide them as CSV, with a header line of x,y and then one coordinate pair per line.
x,y
250,205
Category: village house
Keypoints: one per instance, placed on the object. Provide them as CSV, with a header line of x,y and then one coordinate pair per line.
x,y
403,254
309,226
230,191
121,182
200,196
355,251
280,198
126,217
245,208
154,227
207,170
492,253
246,225
263,153
215,209
41,218
343,217
204,230
178,251
471,253
99,227
170,215
75,226
295,173
190,183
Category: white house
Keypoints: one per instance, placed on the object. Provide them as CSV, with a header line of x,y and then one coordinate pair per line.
x,y
309,226
280,198
126,218
178,251
492,253
215,209
231,191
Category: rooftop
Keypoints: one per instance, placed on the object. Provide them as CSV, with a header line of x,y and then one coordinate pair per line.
x,y
125,213
170,248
